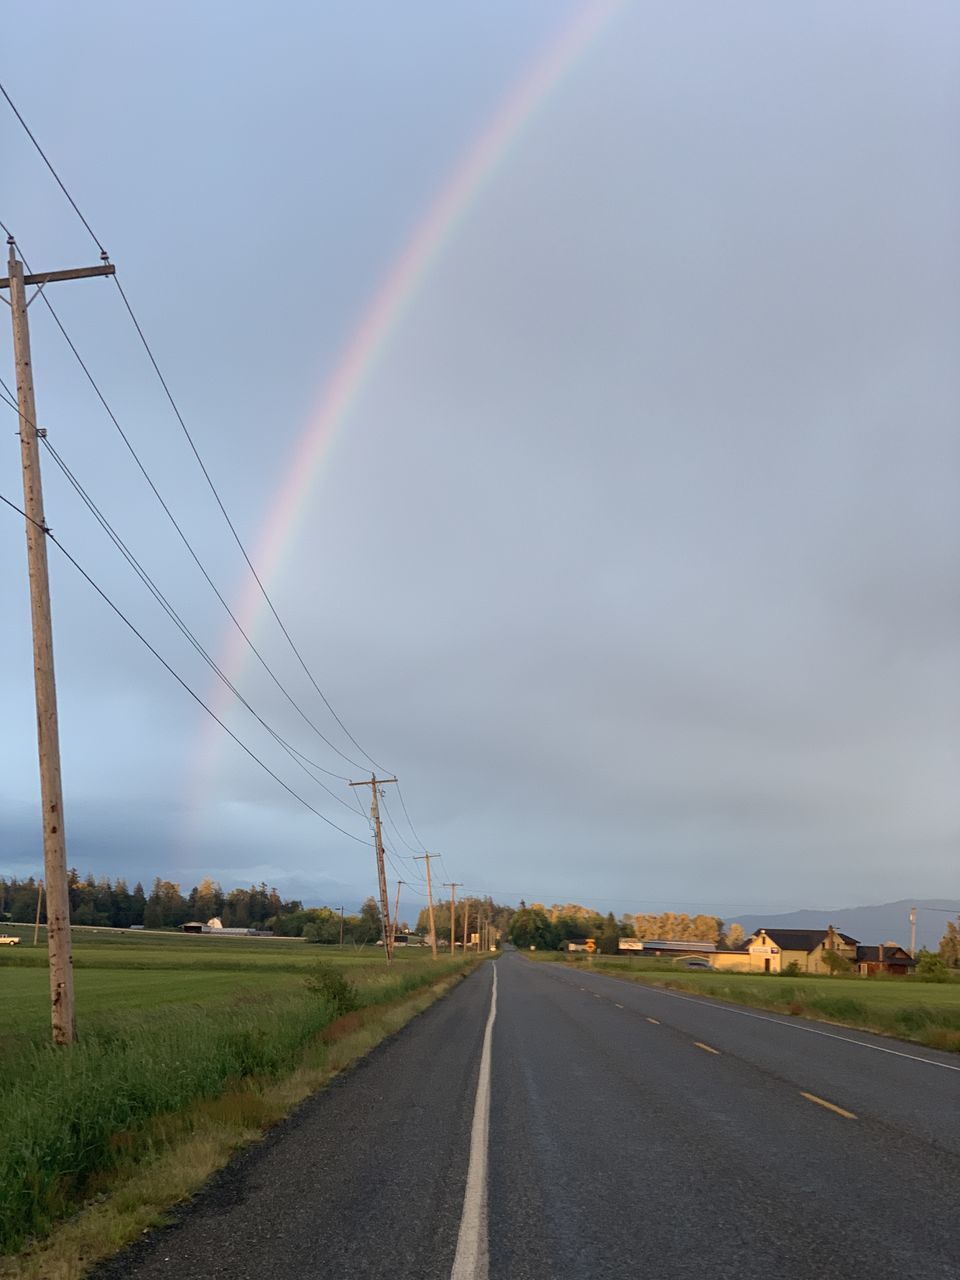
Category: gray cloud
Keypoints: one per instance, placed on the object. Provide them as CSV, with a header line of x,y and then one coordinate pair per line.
x,y
637,557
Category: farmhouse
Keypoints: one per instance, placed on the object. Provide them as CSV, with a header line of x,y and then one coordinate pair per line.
x,y
773,950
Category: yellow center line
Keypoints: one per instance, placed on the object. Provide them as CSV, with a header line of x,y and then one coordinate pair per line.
x,y
706,1048
619,1006
831,1106
655,1021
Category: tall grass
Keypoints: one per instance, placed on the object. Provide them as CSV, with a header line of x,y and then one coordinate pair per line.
x,y
65,1110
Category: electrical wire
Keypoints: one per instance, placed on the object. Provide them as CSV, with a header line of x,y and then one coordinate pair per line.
x,y
233,530
185,540
179,679
196,453
304,762
400,835
403,804
206,474
56,176
299,758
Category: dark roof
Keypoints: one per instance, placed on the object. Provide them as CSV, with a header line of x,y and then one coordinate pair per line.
x,y
890,954
803,939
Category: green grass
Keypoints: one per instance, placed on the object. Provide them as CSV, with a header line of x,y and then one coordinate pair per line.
x,y
925,1012
163,1022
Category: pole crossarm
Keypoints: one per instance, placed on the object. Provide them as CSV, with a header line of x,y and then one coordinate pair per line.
x,y
76,273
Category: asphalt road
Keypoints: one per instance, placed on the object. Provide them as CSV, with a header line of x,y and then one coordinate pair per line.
x,y
582,1126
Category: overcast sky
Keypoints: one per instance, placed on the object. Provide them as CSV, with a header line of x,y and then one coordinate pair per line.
x,y
637,557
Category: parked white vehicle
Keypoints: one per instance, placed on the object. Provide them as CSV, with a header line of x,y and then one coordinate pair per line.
x,y
7,941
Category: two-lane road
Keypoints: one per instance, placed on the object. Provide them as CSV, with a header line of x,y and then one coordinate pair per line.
x,y
586,1126
676,1137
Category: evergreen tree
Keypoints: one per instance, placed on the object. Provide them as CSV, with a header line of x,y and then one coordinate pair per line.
x,y
610,936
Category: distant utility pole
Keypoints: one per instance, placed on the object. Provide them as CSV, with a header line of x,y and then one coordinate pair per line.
x,y
340,909
913,931
453,886
36,923
373,783
466,917
396,908
425,857
63,1016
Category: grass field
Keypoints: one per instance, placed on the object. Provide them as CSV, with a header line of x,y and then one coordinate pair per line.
x,y
164,1021
925,1012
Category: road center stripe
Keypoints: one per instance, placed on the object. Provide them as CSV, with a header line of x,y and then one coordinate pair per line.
x,y
831,1106
792,1024
472,1257
706,1048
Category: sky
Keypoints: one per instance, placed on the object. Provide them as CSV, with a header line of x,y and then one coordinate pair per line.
x,y
634,553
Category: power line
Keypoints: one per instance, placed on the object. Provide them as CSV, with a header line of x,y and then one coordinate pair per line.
x,y
298,757
403,804
179,679
206,474
233,530
56,176
186,541
179,416
400,836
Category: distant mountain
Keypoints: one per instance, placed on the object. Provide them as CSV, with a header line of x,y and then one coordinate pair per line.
x,y
888,922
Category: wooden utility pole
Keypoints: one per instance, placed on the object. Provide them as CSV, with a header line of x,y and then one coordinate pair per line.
x,y
466,915
340,909
453,886
396,909
913,932
373,783
36,923
48,736
425,857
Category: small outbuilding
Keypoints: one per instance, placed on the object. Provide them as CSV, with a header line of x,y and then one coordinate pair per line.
x,y
886,958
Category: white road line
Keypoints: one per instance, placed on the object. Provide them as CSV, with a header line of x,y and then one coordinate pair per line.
x,y
797,1026
472,1258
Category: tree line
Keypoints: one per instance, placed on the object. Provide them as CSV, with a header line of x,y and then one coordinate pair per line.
x,y
112,904
550,928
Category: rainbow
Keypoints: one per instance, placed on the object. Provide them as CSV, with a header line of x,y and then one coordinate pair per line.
x,y
385,312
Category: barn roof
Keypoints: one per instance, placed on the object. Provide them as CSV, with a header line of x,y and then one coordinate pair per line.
x,y
889,953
